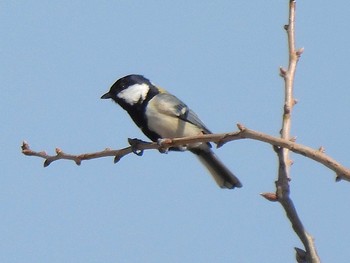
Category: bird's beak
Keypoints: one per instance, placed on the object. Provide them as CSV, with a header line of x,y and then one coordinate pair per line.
x,y
106,96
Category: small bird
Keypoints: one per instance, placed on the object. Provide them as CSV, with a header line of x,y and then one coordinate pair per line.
x,y
160,115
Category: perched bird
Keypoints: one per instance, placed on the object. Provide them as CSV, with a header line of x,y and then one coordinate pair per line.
x,y
160,114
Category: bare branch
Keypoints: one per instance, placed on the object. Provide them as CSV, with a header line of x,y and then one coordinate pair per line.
x,y
60,155
220,139
282,183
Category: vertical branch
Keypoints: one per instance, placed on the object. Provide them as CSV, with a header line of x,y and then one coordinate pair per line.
x,y
282,183
289,83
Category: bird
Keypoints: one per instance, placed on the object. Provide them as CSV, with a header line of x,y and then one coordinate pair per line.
x,y
161,115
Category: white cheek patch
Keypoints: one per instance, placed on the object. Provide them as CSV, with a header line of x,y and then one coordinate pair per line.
x,y
135,93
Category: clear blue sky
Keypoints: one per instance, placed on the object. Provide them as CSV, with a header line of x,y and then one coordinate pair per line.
x,y
222,59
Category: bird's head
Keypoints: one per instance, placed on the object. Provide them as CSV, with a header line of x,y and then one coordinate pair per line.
x,y
129,90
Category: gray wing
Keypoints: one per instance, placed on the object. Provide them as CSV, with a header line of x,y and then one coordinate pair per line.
x,y
171,105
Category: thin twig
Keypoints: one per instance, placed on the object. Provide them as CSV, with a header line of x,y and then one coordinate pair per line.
x,y
282,183
220,139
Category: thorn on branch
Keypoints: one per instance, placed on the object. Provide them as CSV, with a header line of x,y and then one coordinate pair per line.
x,y
299,52
270,196
116,159
338,178
24,146
287,109
47,163
293,139
300,255
221,142
77,161
240,127
322,149
58,151
283,72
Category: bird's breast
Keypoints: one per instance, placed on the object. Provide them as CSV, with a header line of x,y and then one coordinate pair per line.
x,y
164,122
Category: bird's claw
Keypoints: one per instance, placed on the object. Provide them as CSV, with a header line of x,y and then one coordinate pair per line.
x,y
134,143
163,148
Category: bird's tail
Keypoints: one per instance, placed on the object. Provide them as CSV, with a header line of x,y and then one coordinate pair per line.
x,y
221,174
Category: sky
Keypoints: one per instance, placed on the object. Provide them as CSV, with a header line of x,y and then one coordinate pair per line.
x,y
222,59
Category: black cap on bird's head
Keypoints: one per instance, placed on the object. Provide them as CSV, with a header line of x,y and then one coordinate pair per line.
x,y
124,83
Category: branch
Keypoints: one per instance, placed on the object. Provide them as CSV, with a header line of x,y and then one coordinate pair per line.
x,y
138,146
282,183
